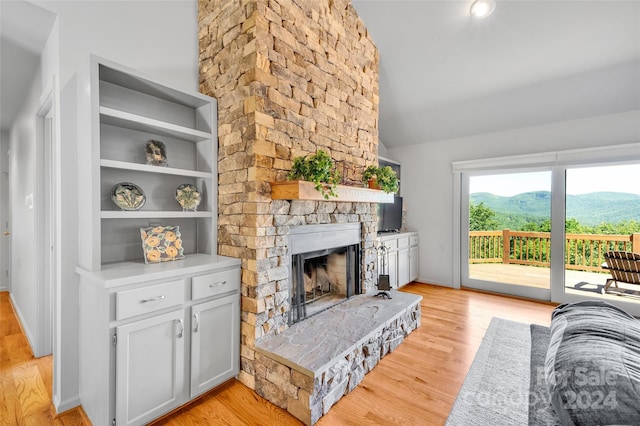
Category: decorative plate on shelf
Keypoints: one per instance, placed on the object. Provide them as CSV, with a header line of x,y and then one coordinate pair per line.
x,y
128,196
161,244
188,197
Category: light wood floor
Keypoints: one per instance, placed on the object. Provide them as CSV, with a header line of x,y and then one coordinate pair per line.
x,y
25,381
415,385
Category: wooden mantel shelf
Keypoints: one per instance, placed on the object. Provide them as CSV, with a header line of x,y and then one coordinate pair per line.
x,y
304,190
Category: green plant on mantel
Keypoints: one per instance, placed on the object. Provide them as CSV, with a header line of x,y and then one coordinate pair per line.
x,y
385,178
319,169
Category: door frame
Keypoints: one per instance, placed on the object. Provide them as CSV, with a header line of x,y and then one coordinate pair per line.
x,y
46,235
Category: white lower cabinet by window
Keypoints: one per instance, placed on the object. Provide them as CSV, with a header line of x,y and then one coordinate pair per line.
x,y
150,367
403,266
403,255
392,268
414,263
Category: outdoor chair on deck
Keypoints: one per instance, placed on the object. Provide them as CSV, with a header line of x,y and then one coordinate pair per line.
x,y
624,267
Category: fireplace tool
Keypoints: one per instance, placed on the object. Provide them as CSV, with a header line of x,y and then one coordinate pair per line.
x,y
384,284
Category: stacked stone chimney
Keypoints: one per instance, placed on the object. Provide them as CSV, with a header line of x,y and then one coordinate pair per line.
x,y
291,77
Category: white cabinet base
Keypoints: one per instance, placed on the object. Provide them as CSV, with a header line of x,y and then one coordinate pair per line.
x,y
403,256
148,344
211,362
150,371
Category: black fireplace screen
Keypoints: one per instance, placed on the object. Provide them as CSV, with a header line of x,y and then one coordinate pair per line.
x,y
322,279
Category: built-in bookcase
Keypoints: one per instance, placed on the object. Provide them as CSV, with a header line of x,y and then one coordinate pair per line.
x,y
132,109
174,324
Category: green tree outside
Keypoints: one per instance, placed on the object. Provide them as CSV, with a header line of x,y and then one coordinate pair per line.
x,y
482,218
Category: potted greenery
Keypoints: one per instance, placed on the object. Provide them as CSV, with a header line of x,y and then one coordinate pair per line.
x,y
320,170
383,178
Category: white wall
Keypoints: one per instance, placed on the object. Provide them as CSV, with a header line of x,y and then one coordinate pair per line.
x,y
24,204
22,185
156,37
382,149
5,245
427,180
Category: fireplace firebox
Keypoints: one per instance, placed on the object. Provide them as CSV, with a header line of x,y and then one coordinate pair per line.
x,y
325,268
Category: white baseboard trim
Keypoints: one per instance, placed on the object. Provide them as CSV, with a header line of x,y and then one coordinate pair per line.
x,y
62,406
23,323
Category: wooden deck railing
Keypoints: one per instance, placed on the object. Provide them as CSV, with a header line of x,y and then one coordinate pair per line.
x,y
583,252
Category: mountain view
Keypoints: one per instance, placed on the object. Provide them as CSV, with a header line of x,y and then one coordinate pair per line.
x,y
588,209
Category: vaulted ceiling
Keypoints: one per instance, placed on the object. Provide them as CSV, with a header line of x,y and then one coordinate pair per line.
x,y
444,75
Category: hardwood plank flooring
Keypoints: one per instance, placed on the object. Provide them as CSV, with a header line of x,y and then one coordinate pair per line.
x,y
415,385
25,381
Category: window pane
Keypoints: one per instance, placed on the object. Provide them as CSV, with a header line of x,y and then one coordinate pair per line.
x,y
509,228
602,214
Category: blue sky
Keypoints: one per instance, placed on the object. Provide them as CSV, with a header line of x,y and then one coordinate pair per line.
x,y
579,181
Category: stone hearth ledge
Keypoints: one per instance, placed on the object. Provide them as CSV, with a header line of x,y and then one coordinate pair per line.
x,y
310,366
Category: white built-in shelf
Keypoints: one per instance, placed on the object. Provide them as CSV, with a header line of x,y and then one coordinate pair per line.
x,y
147,214
124,165
130,109
127,120
129,79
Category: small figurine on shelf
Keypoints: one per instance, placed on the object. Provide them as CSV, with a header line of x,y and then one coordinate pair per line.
x,y
156,153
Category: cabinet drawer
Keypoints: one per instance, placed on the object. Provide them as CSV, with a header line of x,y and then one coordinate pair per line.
x,y
413,240
215,283
390,244
403,242
152,298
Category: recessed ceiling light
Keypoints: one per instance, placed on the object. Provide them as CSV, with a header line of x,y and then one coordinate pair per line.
x,y
482,8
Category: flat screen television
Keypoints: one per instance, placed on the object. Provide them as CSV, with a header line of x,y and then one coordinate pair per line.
x,y
390,215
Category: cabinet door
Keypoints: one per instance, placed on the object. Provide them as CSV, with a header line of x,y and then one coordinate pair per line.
x,y
414,263
149,368
393,269
215,342
403,266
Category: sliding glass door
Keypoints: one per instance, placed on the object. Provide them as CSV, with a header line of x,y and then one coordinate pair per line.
x,y
507,217
542,233
538,225
602,214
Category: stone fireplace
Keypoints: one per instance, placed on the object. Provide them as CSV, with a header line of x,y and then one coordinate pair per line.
x,y
292,77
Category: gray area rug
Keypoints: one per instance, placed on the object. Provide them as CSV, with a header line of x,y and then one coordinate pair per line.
x,y
505,384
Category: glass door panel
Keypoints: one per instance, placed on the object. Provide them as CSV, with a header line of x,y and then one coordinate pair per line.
x,y
602,214
509,234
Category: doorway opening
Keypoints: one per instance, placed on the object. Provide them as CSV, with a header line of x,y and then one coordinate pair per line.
x,y
45,226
